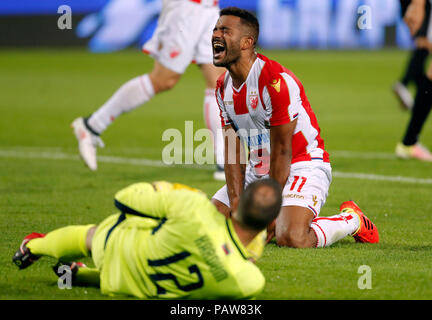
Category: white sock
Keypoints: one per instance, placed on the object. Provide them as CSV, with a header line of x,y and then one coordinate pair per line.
x,y
213,123
130,95
328,230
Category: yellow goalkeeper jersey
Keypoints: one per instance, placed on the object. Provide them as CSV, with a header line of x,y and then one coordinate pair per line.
x,y
172,243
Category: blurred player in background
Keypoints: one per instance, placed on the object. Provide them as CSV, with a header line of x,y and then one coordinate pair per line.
x,y
182,36
417,15
168,242
265,105
416,65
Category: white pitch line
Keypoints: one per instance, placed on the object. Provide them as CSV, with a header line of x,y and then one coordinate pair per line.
x,y
375,177
363,155
30,153
23,154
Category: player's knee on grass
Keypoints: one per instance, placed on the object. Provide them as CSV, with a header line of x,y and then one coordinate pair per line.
x,y
293,228
294,239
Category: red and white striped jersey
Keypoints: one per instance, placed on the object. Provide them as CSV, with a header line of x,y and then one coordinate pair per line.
x,y
270,96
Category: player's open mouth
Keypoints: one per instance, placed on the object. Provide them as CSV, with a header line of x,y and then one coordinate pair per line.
x,y
218,49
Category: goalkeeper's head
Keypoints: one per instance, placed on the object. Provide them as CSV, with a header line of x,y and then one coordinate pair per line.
x,y
259,204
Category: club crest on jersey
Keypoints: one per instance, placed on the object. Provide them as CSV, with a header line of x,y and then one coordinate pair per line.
x,y
276,84
253,100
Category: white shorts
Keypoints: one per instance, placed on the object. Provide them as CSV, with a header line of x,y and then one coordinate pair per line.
x,y
183,35
307,186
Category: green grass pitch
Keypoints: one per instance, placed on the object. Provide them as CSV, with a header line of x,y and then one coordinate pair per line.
x,y
43,185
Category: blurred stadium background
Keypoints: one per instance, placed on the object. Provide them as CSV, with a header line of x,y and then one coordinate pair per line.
x,y
109,25
49,76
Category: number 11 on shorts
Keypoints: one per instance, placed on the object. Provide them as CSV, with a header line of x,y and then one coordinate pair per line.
x,y
296,179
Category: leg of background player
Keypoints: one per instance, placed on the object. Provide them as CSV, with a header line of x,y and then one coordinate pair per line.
x,y
129,96
132,94
212,115
413,73
416,64
410,148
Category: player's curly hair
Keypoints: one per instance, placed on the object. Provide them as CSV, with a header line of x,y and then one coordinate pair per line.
x,y
246,17
260,204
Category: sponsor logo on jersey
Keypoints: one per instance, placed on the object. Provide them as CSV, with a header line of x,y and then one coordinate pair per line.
x,y
315,201
293,196
276,84
255,140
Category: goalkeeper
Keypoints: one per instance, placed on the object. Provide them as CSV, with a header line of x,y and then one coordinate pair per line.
x,y
167,242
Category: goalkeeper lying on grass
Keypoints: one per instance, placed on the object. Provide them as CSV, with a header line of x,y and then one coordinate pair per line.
x,y
168,241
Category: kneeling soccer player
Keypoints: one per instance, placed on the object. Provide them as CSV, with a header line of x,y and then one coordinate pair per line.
x,y
264,106
168,241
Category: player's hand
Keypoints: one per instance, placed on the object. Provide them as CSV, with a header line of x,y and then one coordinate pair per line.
x,y
271,231
414,16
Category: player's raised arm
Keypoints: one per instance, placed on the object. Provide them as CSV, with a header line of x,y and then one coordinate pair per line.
x,y
235,165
